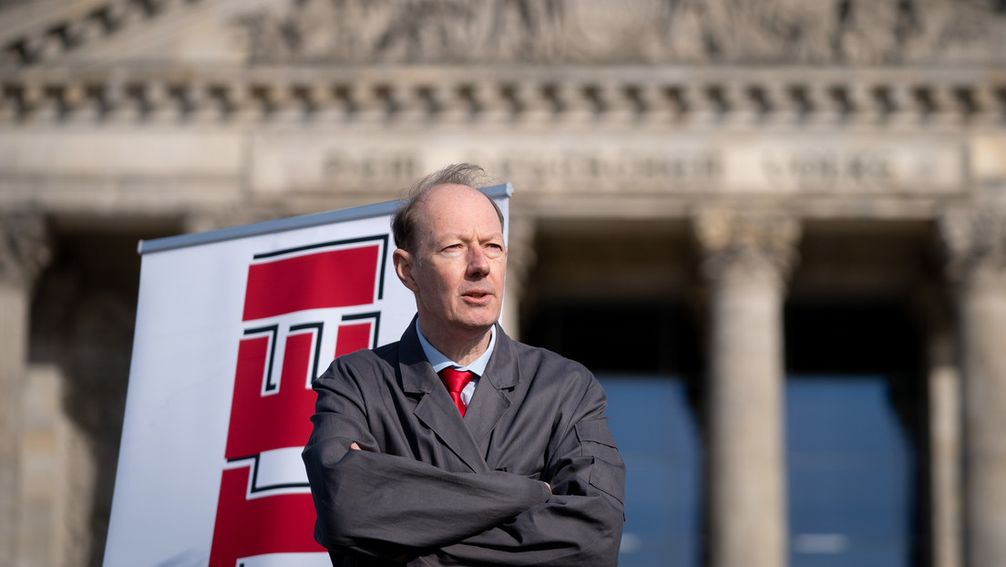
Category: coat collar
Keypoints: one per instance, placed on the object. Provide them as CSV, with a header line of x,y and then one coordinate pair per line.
x,y
417,374
467,437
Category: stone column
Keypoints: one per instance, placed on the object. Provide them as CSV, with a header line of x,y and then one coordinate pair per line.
x,y
521,257
976,246
45,508
944,387
746,259
944,449
23,253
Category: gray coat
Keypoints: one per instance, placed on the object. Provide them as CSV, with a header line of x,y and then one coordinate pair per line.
x,y
433,488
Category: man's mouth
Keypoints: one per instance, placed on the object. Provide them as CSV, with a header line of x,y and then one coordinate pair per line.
x,y
476,296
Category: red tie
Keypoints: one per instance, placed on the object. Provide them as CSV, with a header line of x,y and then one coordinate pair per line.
x,y
456,380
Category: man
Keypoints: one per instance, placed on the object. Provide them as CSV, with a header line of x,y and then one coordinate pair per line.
x,y
504,459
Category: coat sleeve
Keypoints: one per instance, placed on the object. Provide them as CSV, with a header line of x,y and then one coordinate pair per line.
x,y
394,507
581,523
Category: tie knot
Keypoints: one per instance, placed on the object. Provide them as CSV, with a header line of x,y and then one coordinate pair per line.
x,y
455,379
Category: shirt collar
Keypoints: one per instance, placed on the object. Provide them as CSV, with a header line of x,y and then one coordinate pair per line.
x,y
438,361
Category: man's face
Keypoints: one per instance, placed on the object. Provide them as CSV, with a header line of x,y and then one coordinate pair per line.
x,y
458,267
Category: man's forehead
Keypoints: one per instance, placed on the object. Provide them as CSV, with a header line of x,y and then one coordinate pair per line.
x,y
445,193
449,204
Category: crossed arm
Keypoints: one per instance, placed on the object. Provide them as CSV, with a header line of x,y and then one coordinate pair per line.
x,y
356,447
396,508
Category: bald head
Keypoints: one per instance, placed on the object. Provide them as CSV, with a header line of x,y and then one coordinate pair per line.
x,y
441,206
405,223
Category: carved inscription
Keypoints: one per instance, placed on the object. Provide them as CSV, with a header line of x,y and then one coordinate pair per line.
x,y
577,171
866,168
829,166
349,169
829,169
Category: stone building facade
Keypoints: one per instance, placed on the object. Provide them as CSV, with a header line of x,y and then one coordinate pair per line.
x,y
732,156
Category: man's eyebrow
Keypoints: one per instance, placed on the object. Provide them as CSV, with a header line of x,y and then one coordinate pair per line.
x,y
465,236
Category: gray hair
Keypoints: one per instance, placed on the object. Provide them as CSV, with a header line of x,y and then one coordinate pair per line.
x,y
403,224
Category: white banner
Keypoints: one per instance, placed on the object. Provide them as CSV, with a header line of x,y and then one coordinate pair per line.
x,y
231,328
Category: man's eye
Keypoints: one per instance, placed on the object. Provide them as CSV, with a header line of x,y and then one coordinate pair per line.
x,y
452,247
494,250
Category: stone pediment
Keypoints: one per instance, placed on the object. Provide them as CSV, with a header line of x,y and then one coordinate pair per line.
x,y
340,32
128,32
869,32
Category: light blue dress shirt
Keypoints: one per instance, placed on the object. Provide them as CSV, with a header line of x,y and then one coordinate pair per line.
x,y
438,361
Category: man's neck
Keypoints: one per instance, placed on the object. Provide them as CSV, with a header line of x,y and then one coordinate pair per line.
x,y
462,348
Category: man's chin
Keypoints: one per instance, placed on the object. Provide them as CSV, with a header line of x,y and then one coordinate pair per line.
x,y
479,323
478,326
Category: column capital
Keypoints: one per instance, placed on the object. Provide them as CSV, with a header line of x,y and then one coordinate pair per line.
x,y
974,242
24,246
746,245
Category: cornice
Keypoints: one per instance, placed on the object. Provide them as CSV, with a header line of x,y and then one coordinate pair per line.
x,y
574,94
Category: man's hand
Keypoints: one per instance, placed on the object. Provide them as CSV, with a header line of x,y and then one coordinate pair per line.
x,y
354,446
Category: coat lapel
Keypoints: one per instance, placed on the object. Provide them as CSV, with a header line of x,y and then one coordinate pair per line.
x,y
435,409
492,397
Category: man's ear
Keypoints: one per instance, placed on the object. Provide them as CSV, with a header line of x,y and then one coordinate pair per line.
x,y
403,267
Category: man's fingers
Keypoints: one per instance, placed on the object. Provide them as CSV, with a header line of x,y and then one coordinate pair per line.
x,y
354,446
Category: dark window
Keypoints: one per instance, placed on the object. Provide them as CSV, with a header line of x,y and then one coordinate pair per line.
x,y
652,422
850,468
854,409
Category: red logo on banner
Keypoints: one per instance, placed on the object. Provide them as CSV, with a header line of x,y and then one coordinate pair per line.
x,y
301,305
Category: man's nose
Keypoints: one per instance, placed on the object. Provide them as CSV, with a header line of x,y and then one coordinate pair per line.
x,y
478,262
